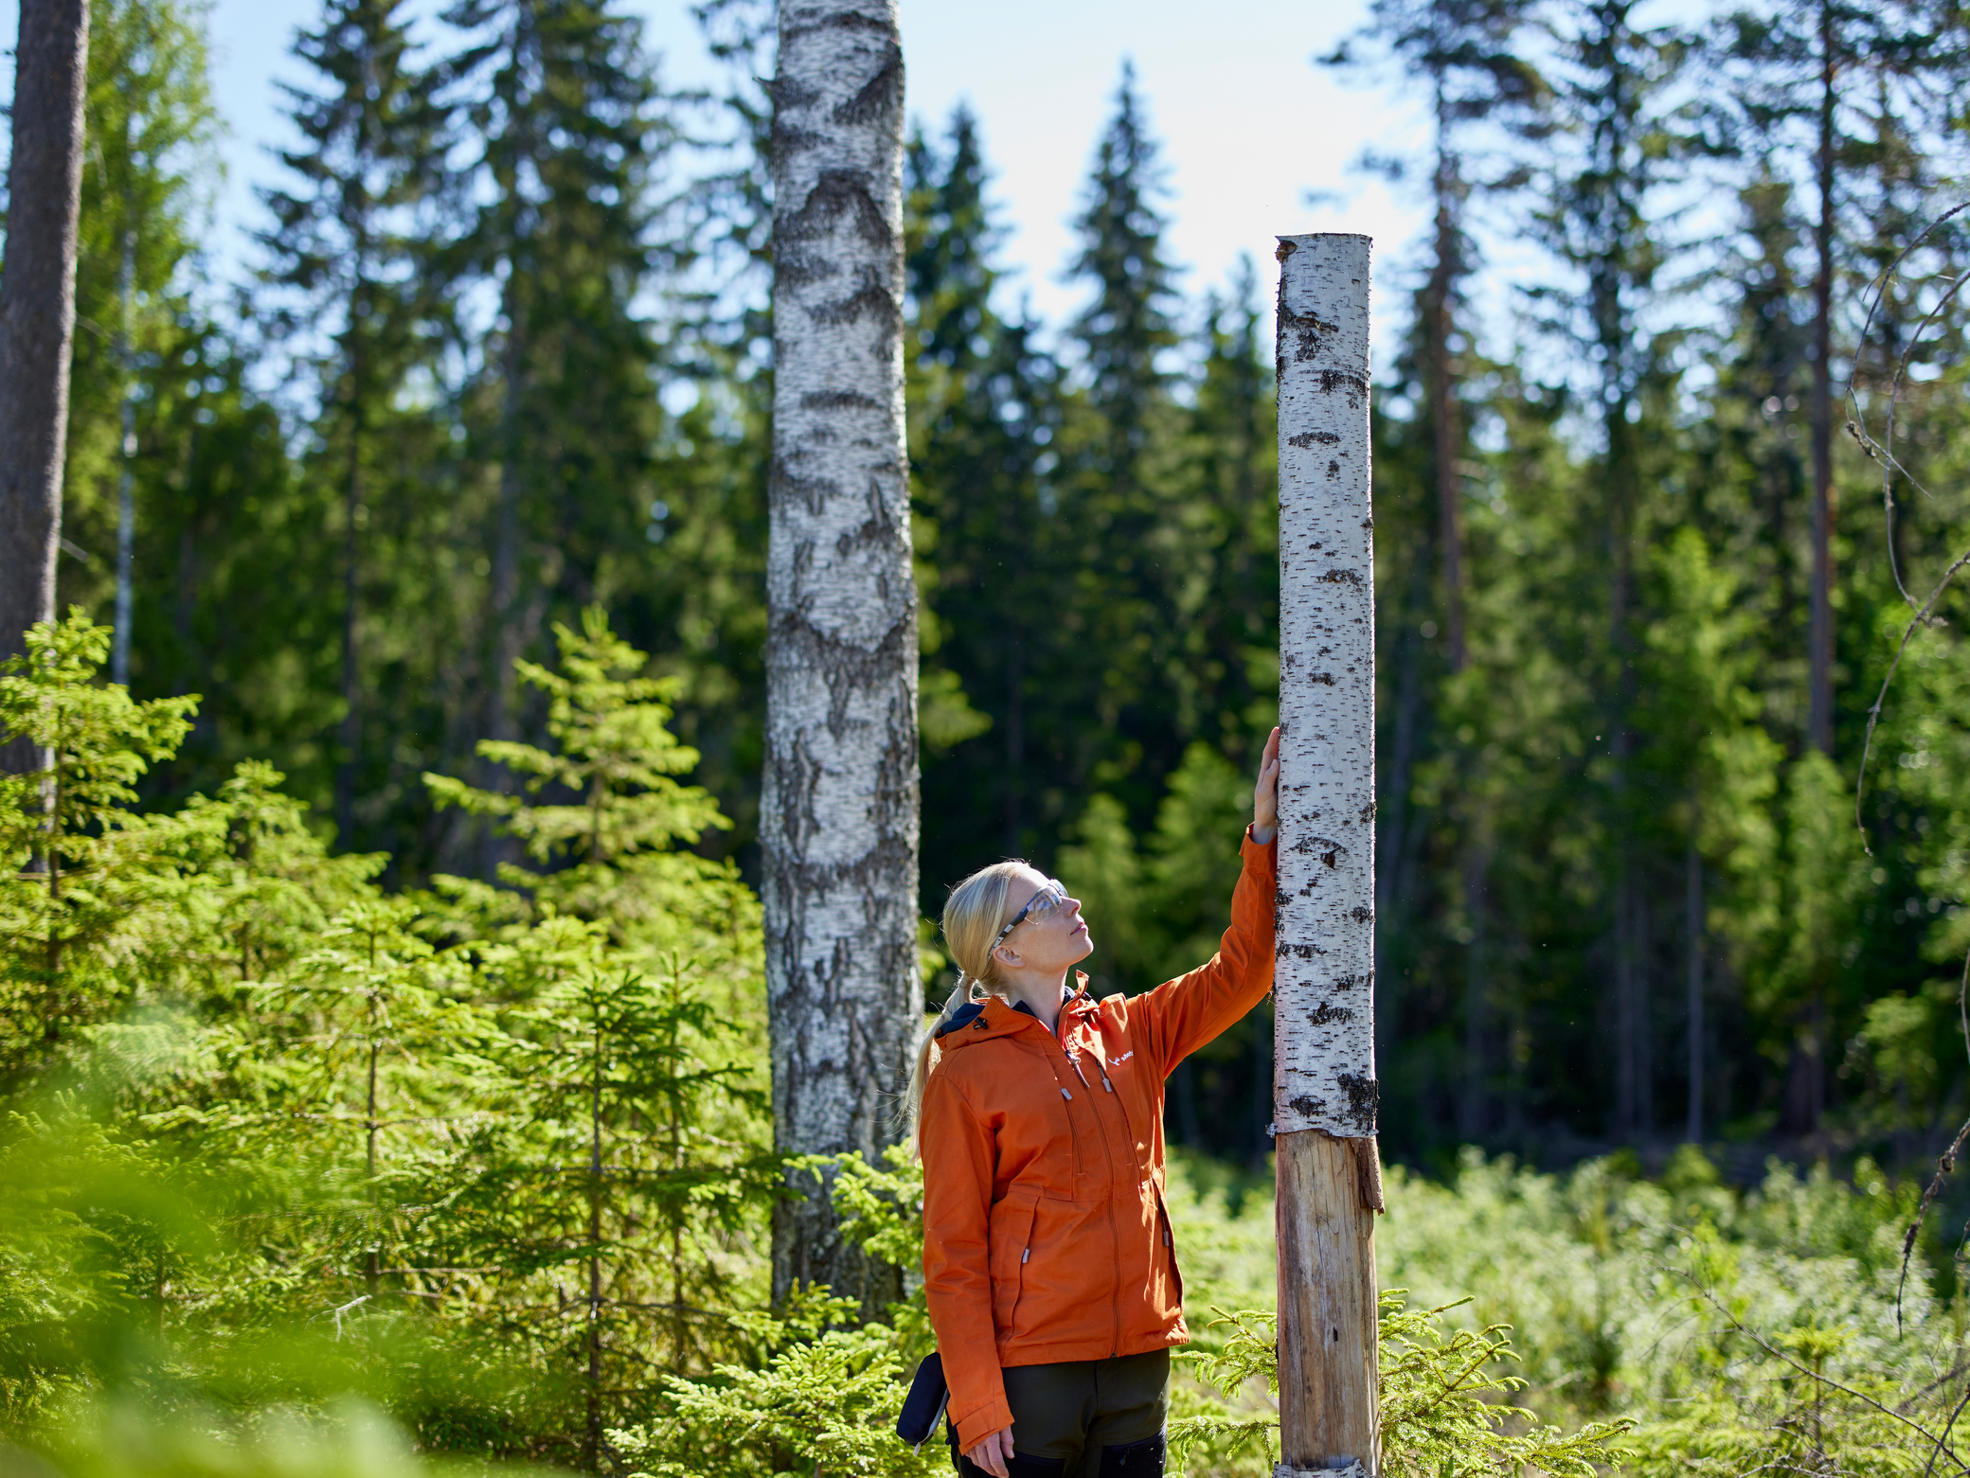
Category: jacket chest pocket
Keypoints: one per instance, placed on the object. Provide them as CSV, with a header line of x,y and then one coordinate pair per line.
x,y
1010,1254
1137,1109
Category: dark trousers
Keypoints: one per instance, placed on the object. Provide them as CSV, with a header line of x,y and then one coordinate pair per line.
x,y
1087,1418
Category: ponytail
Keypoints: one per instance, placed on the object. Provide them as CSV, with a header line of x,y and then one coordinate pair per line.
x,y
972,916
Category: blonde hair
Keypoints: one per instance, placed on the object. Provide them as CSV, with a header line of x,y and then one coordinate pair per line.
x,y
973,915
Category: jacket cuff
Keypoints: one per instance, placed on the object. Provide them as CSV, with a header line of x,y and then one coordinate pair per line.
x,y
982,1421
1250,845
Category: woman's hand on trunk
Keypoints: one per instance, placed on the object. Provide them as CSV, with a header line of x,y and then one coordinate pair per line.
x,y
1265,795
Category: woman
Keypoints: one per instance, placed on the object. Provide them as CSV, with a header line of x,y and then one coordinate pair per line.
x,y
1048,1260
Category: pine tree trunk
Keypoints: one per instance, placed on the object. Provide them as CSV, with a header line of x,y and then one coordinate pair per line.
x,y
350,733
37,315
508,636
1819,636
838,812
1446,439
1693,919
1443,403
1325,1092
126,507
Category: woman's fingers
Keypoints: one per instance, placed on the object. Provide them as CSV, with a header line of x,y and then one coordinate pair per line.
x,y
990,1455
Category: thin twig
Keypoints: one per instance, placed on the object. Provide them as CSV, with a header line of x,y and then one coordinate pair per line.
x,y
1921,618
1821,1376
1930,1466
1945,1163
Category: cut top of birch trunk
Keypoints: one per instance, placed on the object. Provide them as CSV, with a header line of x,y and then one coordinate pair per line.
x,y
1324,1075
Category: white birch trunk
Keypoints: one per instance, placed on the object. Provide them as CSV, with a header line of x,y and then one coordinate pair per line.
x,y
838,818
1325,982
1324,1087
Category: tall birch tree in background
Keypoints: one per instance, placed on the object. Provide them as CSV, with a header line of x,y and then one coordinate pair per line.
x,y
37,312
838,813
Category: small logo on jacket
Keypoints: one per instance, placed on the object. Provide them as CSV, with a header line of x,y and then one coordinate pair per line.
x,y
1118,1061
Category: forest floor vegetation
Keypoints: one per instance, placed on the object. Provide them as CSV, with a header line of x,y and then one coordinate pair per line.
x,y
307,1177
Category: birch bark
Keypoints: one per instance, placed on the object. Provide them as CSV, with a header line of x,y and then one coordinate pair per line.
x,y
839,805
37,315
1325,1092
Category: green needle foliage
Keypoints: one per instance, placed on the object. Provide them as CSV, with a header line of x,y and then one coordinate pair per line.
x,y
1442,1399
601,810
84,873
276,1135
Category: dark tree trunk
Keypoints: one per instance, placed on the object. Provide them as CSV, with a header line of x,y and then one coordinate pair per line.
x,y
1693,912
508,638
1443,403
351,734
1820,622
37,315
1397,824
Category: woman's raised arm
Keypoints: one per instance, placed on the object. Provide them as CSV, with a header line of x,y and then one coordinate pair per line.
x,y
1181,1015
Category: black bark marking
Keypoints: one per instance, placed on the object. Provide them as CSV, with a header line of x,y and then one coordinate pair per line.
x,y
1307,1108
845,668
880,96
838,194
1327,1011
846,20
870,300
1364,1099
877,529
839,400
813,492
1325,847
1333,471
1340,577
1308,331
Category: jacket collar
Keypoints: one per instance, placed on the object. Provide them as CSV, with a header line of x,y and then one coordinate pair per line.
x,y
992,1017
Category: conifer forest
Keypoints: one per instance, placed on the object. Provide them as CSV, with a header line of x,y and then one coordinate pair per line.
x,y
415,1039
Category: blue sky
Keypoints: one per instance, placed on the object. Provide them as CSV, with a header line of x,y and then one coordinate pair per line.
x,y
1249,126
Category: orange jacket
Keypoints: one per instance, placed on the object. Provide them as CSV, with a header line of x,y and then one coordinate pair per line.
x,y
1046,1237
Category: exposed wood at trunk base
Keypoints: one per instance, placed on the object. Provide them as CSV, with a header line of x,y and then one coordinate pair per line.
x,y
1328,1383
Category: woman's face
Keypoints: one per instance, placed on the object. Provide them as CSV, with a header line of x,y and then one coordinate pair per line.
x,y
1050,941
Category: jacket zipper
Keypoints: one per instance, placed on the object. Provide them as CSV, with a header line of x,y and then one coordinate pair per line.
x,y
1114,1179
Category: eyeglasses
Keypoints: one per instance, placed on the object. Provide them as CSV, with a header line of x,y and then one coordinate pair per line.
x,y
1042,903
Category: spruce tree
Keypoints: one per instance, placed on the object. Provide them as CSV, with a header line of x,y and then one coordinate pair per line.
x,y
1805,76
554,109
343,254
1126,332
982,413
1117,500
